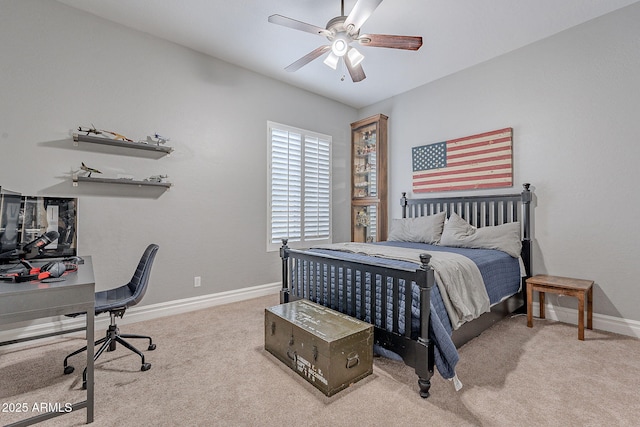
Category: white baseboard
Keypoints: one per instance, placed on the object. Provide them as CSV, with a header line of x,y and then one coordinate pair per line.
x,y
603,322
138,314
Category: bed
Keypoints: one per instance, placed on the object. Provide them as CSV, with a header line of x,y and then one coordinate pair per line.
x,y
427,295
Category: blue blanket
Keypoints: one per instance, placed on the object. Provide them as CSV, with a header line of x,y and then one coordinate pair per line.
x,y
500,273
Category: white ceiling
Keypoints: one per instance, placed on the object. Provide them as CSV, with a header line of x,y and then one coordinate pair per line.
x,y
457,34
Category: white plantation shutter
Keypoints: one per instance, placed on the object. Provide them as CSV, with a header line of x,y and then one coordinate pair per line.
x,y
299,186
286,185
316,188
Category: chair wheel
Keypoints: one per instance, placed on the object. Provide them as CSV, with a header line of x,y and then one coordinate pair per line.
x,y
151,347
145,366
68,369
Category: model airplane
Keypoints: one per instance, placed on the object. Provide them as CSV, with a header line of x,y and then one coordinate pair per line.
x,y
89,130
88,169
157,139
118,136
157,178
95,131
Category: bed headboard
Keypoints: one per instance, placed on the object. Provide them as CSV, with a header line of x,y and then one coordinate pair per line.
x,y
480,211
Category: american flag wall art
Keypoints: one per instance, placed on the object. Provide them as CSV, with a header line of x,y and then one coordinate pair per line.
x,y
484,160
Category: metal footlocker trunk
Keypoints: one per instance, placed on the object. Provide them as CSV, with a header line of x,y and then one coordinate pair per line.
x,y
329,349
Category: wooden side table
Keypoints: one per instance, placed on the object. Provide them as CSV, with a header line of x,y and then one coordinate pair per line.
x,y
563,286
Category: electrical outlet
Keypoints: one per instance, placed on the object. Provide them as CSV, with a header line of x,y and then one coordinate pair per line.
x,y
196,282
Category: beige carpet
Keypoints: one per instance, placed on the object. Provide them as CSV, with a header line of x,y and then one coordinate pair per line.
x,y
210,368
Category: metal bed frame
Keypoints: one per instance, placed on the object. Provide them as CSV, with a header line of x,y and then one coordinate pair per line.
x,y
308,275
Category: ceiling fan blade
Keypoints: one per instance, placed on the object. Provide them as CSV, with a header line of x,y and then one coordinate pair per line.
x,y
298,25
359,14
393,42
356,73
307,58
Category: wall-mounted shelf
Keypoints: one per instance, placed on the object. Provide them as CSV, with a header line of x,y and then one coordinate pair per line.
x,y
119,143
77,179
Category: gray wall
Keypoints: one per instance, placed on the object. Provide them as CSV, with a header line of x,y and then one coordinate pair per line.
x,y
61,68
573,101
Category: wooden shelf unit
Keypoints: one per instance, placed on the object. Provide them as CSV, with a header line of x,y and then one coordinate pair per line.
x,y
369,179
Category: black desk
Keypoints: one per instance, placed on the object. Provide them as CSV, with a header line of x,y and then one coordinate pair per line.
x,y
33,300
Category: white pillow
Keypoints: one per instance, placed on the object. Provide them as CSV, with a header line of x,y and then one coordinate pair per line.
x,y
459,233
423,229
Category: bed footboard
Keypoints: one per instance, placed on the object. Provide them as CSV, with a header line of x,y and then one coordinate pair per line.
x,y
374,293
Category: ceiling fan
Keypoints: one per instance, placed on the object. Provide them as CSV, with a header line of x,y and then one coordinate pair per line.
x,y
343,30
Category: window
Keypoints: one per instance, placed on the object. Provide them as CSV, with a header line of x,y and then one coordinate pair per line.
x,y
299,184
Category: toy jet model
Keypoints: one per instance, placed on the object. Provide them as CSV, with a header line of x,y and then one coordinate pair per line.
x,y
157,139
157,178
88,169
92,130
118,136
95,131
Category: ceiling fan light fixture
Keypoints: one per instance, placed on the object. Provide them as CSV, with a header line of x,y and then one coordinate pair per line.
x,y
340,45
341,32
332,60
355,57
